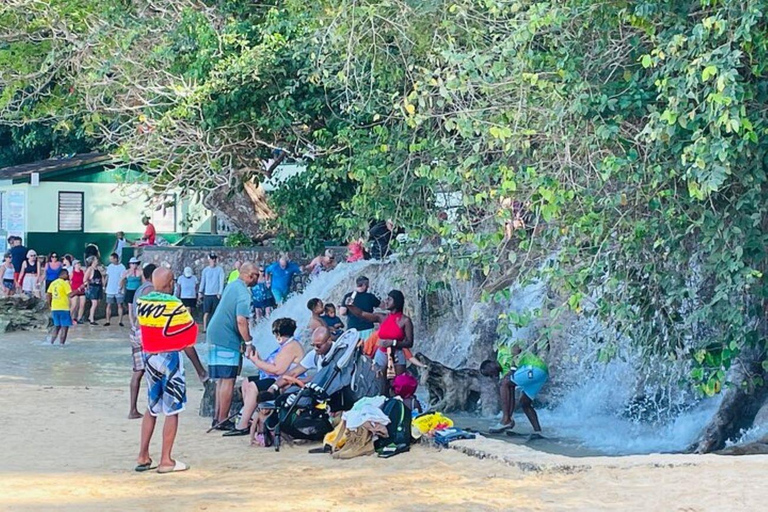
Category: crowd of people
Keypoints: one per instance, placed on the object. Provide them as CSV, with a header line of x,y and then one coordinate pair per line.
x,y
232,301
233,307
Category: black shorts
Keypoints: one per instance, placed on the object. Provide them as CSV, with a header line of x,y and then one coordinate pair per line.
x,y
189,303
210,302
263,386
129,295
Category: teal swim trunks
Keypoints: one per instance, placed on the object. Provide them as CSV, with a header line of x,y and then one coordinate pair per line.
x,y
531,374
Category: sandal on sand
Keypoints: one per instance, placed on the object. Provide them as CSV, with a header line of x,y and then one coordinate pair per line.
x,y
180,466
145,467
500,427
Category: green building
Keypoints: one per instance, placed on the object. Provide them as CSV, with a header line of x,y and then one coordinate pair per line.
x,y
62,204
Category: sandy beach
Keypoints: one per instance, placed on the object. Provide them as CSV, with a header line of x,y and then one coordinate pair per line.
x,y
67,445
71,448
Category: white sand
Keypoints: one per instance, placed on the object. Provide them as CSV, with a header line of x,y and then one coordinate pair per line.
x,y
70,448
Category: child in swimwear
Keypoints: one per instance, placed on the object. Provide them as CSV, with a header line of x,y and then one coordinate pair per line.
x,y
524,370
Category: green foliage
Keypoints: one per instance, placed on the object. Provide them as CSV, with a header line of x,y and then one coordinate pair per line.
x,y
238,240
628,136
308,208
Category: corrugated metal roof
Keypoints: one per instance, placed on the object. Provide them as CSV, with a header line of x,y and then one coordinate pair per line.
x,y
52,165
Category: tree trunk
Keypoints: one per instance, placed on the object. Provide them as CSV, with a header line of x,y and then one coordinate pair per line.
x,y
245,207
740,404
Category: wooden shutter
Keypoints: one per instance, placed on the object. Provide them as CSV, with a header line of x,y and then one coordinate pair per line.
x,y
71,211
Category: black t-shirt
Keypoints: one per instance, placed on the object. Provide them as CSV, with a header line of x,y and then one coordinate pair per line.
x,y
18,255
365,301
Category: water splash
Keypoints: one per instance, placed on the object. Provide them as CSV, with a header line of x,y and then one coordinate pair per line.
x,y
322,286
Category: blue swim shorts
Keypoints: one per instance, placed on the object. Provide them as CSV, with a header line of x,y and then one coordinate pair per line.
x,y
61,318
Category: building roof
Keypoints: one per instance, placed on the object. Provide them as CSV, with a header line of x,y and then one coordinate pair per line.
x,y
54,165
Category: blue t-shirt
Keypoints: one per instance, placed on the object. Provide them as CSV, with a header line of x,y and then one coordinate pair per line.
x,y
222,329
333,322
18,255
281,277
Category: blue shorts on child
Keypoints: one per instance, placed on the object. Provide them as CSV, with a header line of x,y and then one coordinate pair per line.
x,y
61,318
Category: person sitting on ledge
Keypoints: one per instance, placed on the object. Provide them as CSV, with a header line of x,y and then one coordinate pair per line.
x,y
523,370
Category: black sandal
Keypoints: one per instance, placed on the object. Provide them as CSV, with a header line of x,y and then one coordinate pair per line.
x,y
147,466
237,432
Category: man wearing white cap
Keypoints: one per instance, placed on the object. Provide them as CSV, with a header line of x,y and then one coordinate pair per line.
x,y
186,289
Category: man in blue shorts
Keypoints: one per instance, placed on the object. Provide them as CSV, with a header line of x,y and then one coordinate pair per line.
x,y
166,392
280,274
525,371
228,336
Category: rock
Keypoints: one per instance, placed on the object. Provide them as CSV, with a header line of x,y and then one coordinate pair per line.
x,y
208,402
23,313
759,447
739,406
462,389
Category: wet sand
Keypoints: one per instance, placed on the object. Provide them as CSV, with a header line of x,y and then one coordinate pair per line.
x,y
71,447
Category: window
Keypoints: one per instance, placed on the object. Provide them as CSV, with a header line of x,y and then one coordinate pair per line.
x,y
71,211
164,213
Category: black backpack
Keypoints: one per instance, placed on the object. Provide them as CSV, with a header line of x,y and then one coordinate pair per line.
x,y
399,427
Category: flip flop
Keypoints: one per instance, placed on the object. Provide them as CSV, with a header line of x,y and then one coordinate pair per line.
x,y
180,466
500,427
140,468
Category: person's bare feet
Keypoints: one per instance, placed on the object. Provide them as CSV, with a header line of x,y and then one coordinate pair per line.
x,y
135,415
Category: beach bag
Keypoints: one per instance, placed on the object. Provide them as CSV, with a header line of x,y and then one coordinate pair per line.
x,y
399,427
311,424
336,439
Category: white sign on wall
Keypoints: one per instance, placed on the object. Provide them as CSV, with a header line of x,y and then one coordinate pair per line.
x,y
15,217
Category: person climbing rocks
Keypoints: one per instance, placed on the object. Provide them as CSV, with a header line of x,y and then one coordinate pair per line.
x,y
280,274
522,370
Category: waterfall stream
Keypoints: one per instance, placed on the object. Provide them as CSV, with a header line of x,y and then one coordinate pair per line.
x,y
624,406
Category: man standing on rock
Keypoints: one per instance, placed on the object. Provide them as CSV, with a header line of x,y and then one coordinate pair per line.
x,y
165,323
211,286
228,336
366,302
280,274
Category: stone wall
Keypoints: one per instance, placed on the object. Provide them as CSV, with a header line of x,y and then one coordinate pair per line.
x,y
176,258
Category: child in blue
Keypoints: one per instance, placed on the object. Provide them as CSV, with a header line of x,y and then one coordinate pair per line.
x,y
262,300
334,323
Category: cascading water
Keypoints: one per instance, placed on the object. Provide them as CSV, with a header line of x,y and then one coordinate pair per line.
x,y
322,286
624,406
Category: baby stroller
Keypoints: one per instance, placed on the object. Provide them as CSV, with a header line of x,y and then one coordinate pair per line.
x,y
345,375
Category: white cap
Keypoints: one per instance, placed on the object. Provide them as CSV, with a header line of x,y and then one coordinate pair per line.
x,y
188,271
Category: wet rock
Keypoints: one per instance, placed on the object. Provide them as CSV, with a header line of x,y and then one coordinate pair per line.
x,y
739,406
759,447
23,313
462,389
